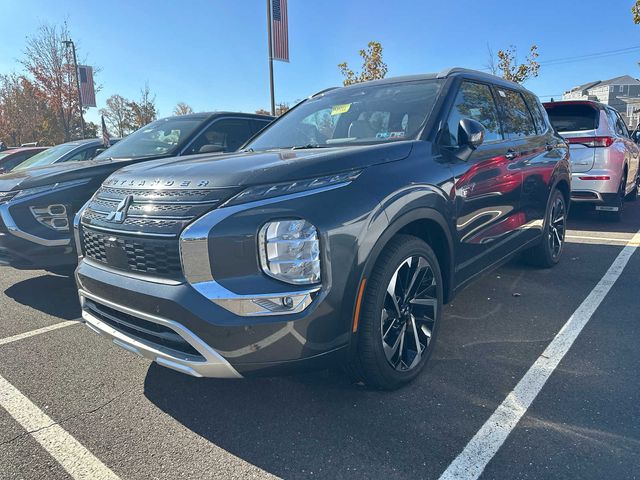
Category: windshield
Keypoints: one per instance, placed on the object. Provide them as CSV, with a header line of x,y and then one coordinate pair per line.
x,y
47,157
354,116
158,138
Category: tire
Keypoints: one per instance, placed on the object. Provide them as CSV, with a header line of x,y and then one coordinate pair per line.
x,y
548,252
416,312
617,215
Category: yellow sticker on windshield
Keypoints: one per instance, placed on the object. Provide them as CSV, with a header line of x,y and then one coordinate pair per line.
x,y
338,109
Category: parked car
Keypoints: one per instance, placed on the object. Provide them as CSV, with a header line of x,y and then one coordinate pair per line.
x,y
334,236
37,205
15,156
75,151
604,158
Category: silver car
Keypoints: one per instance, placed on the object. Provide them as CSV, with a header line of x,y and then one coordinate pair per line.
x,y
604,158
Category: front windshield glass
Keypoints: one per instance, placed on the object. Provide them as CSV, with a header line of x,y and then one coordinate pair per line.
x,y
161,137
357,115
47,157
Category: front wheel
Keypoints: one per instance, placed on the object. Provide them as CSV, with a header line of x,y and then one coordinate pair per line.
x,y
400,315
548,252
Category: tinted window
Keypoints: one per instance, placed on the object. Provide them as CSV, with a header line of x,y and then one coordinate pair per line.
x,y
13,161
517,120
568,117
359,114
259,125
536,110
474,101
86,154
618,125
229,134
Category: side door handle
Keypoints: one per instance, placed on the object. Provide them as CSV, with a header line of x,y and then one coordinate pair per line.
x,y
511,154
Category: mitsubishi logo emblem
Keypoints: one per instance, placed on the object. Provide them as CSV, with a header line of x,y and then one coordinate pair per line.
x,y
120,213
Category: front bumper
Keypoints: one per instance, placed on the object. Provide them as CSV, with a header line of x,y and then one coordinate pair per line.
x,y
216,342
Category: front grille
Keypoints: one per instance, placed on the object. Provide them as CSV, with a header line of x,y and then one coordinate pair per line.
x,y
144,331
157,257
138,229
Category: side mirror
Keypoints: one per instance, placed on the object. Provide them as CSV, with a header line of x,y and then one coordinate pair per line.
x,y
211,149
470,133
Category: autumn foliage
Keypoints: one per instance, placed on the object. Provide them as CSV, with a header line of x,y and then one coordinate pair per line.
x,y
373,67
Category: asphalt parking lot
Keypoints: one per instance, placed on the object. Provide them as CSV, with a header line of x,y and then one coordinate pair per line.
x,y
143,421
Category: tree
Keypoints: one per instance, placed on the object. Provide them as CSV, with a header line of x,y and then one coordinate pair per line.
x,y
509,68
636,12
24,114
282,108
373,67
262,111
491,64
182,109
143,111
48,61
118,115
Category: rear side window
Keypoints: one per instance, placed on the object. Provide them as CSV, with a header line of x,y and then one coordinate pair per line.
x,y
536,110
258,125
517,120
573,118
474,101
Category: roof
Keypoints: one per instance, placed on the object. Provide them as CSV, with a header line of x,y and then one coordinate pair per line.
x,y
22,149
598,105
209,115
446,73
621,80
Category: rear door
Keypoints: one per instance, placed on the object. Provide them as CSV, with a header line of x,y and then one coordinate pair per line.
x,y
487,185
578,123
630,147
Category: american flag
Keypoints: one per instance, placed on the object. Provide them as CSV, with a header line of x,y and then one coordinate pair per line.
x,y
106,138
87,92
280,28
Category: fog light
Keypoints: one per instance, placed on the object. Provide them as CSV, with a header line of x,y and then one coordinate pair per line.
x,y
290,251
52,216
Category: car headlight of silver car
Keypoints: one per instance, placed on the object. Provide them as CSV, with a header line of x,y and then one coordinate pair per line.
x,y
290,251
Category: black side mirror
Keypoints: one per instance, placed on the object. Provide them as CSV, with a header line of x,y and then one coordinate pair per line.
x,y
470,133
211,149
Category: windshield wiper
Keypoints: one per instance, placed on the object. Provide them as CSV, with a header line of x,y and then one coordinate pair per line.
x,y
308,145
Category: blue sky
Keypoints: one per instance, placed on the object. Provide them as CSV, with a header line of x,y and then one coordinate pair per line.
x,y
212,54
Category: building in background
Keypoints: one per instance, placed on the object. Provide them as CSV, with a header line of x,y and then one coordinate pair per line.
x,y
621,93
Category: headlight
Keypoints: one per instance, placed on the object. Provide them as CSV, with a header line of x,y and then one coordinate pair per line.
x,y
290,251
52,216
263,192
45,188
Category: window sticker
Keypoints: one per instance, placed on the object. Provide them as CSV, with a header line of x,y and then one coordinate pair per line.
x,y
502,94
382,135
399,134
475,112
339,109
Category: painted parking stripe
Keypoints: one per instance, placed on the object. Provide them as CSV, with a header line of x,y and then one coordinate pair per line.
x,y
603,239
79,462
50,328
485,444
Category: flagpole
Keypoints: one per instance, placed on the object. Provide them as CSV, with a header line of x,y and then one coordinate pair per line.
x,y
75,65
273,99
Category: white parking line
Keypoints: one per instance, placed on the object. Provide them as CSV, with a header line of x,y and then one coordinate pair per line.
x,y
21,336
79,462
603,239
485,444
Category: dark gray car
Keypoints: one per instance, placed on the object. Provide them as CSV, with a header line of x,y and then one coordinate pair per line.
x,y
334,237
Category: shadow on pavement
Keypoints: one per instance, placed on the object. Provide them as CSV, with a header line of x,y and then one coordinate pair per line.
x,y
317,424
50,294
587,219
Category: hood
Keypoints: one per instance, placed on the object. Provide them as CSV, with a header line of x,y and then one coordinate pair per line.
x,y
57,173
255,168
